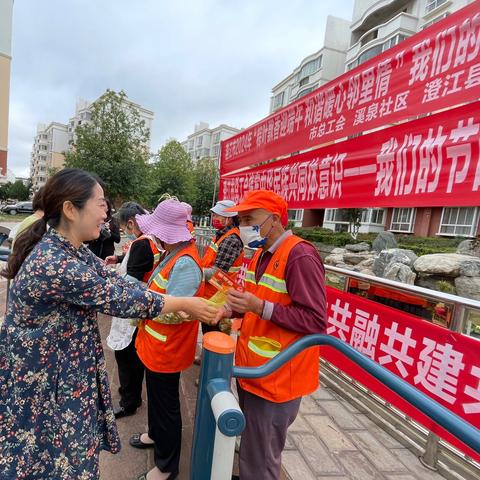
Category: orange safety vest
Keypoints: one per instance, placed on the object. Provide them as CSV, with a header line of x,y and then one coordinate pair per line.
x,y
210,255
260,340
156,255
169,348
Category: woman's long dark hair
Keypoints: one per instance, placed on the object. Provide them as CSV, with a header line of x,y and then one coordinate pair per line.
x,y
70,184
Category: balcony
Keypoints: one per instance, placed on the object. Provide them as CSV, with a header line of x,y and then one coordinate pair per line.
x,y
403,23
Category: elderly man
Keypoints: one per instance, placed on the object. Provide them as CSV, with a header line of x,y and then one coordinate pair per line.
x,y
284,299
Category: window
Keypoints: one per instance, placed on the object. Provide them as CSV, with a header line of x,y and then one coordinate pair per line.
x,y
190,144
373,216
402,220
216,150
199,141
304,92
295,215
43,147
433,4
216,137
459,221
335,215
310,67
303,81
278,100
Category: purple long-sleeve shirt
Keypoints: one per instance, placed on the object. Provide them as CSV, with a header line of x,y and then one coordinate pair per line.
x,y
305,279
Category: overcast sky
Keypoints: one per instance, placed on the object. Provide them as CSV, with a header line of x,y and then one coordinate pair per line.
x,y
186,60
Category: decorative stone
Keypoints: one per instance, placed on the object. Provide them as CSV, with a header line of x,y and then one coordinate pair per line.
x,y
469,247
334,259
400,273
338,251
446,264
355,258
384,241
368,263
393,255
358,247
468,287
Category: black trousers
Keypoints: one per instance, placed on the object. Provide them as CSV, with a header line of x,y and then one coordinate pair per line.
x,y
130,375
165,419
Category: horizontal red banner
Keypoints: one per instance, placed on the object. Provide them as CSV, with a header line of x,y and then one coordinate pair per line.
x,y
437,68
432,161
442,364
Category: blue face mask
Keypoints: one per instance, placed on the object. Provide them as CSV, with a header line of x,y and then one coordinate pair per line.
x,y
251,236
129,236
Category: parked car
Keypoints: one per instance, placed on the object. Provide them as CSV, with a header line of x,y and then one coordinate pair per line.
x,y
20,207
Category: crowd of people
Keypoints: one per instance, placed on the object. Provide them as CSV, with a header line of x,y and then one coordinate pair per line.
x,y
56,410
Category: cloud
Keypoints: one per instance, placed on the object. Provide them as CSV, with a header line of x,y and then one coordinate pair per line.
x,y
188,61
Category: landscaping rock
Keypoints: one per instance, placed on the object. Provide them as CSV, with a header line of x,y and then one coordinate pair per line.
x,y
367,271
468,287
368,263
431,281
469,247
400,273
358,247
338,251
355,258
334,259
384,241
393,255
470,268
446,264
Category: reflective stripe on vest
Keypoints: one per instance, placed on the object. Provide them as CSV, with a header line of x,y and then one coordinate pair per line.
x,y
265,347
153,333
275,284
160,282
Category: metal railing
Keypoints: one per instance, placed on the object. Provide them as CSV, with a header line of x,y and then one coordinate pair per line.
x,y
218,370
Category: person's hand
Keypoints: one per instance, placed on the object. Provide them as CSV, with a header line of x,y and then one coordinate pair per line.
x,y
111,260
222,312
243,302
200,309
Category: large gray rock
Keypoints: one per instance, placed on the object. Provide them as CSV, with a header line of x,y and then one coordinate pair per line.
x,y
334,259
393,255
431,281
367,271
400,273
358,247
338,251
468,287
384,241
355,258
446,264
368,263
470,268
469,247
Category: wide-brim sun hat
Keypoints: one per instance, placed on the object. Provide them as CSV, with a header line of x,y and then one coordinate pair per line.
x,y
168,222
221,207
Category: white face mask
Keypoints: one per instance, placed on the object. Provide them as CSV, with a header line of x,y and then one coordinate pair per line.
x,y
251,237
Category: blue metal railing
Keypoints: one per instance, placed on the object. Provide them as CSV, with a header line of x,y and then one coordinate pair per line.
x,y
217,369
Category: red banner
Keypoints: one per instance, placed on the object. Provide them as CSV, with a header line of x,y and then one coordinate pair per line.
x,y
434,69
432,161
440,363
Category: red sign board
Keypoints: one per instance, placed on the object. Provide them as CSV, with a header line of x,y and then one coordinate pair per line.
x,y
432,161
442,364
432,70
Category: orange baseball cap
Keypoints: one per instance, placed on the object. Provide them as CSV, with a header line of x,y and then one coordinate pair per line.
x,y
265,199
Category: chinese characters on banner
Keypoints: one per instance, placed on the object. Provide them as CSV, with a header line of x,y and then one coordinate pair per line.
x,y
440,363
435,158
434,69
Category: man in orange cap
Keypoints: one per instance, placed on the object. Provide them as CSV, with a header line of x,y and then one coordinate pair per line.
x,y
284,299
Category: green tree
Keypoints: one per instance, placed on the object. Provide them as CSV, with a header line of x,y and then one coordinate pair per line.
x,y
353,217
173,173
206,185
17,190
113,145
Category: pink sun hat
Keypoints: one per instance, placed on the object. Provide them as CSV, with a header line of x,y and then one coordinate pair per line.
x,y
168,222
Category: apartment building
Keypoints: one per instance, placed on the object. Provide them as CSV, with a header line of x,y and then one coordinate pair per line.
x,y
205,141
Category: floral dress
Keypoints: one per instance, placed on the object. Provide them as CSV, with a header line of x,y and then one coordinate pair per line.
x,y
55,404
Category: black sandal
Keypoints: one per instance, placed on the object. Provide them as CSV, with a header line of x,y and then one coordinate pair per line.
x,y
137,443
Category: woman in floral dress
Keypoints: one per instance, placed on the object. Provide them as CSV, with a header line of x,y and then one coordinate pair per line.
x,y
55,405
